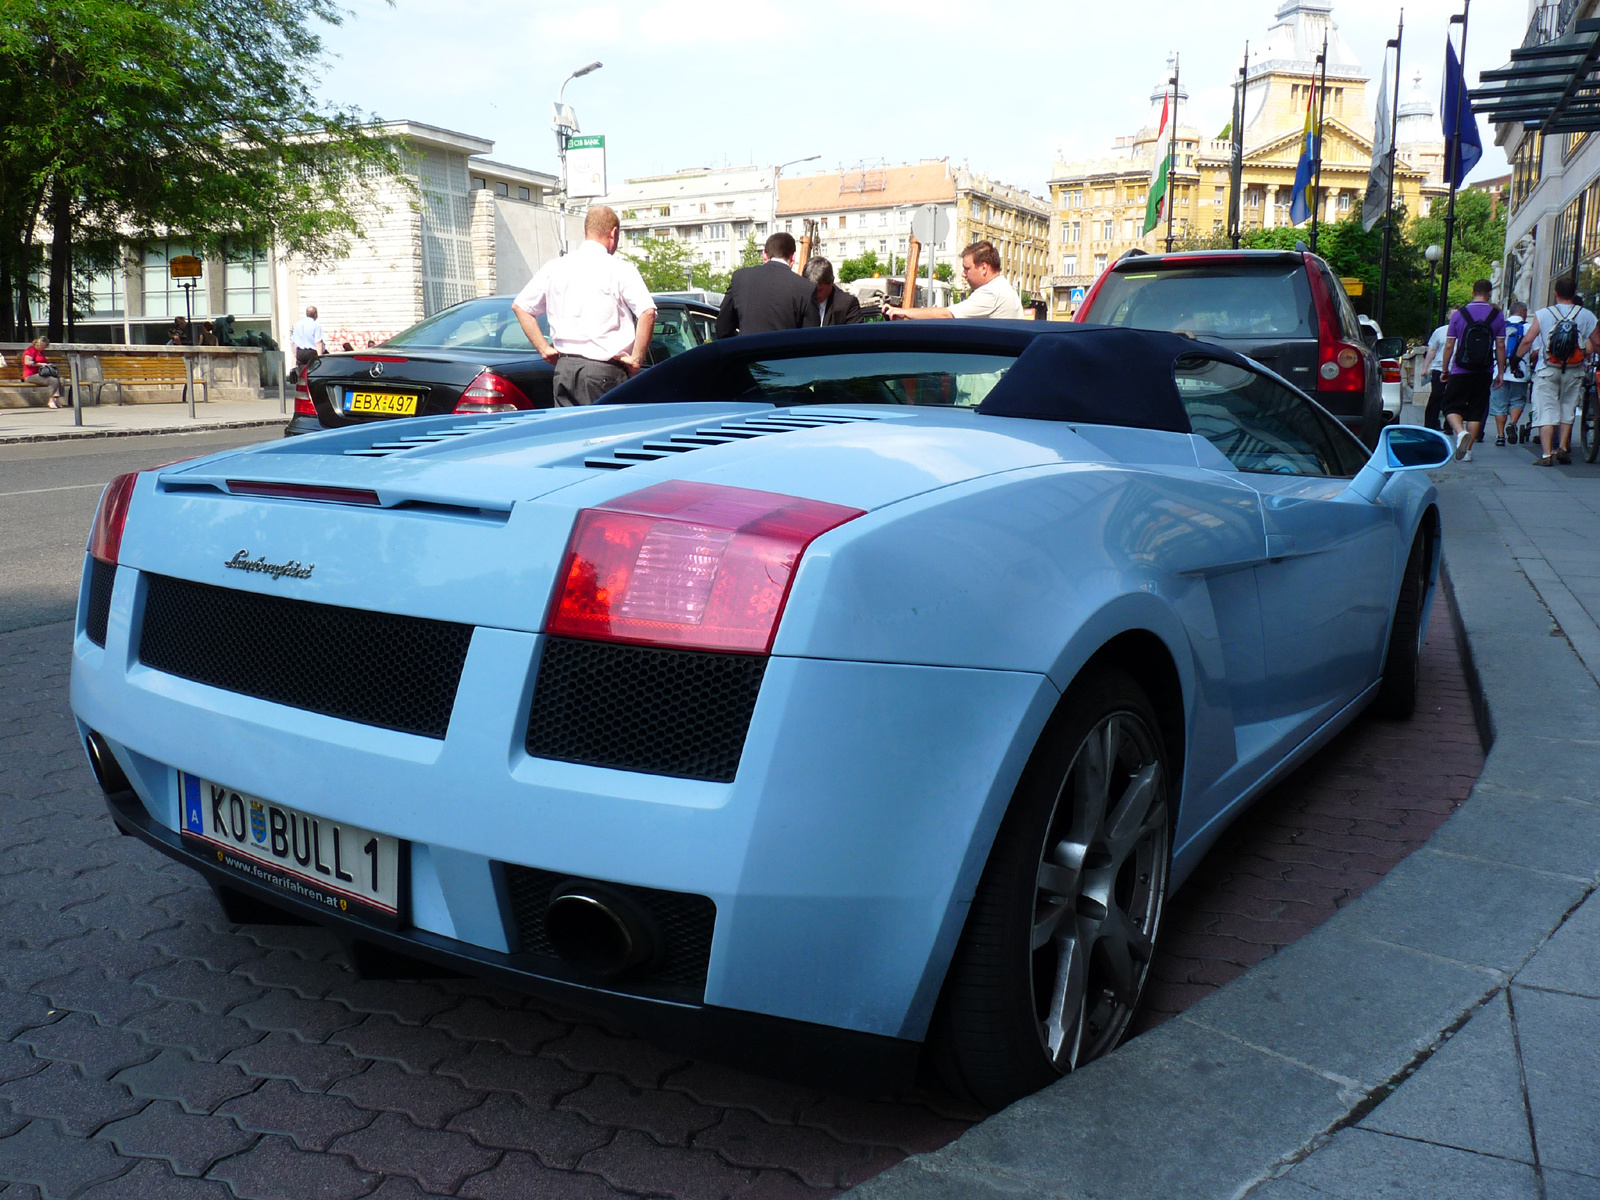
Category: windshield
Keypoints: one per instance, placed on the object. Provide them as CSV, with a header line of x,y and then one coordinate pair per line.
x,y
486,324
896,377
1239,299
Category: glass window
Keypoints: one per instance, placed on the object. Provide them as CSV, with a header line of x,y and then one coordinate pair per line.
x,y
502,189
705,329
162,295
896,377
487,324
673,334
1260,425
524,194
248,280
479,182
103,292
1235,300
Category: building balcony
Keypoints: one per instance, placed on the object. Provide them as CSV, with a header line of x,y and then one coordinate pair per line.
x,y
1551,20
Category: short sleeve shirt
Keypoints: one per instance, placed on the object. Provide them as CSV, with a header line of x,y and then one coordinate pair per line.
x,y
307,334
32,360
1436,342
1549,318
591,299
996,299
1479,310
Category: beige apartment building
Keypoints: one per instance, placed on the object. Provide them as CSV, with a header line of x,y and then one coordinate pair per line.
x,y
1098,206
870,209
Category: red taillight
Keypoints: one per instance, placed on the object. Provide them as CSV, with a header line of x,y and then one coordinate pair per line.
x,y
388,358
1391,369
687,564
303,404
303,491
491,393
1341,367
105,543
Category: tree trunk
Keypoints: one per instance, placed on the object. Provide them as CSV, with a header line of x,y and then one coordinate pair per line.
x,y
60,258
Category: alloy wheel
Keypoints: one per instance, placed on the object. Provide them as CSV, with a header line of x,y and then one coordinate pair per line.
x,y
1101,884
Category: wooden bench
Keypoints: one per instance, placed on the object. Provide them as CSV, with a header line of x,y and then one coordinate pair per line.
x,y
145,370
11,378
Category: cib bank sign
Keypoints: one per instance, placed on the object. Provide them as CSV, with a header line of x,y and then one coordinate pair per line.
x,y
586,165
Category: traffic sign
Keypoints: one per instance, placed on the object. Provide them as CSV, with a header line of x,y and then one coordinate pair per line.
x,y
586,165
1077,296
930,225
184,266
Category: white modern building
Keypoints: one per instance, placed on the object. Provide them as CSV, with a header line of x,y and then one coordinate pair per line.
x,y
457,225
717,211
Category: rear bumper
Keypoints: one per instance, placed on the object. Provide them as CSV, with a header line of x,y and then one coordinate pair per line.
x,y
804,1051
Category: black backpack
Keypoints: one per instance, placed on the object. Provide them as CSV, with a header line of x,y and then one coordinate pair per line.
x,y
1475,350
1561,344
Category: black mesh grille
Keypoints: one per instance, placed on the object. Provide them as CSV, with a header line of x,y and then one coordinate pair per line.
x,y
684,921
663,712
377,668
101,576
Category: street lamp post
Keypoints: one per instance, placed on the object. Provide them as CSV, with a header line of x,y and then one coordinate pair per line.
x,y
565,125
778,171
1433,254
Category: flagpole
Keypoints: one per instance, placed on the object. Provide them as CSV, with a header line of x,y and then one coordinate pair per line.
x,y
1172,155
1236,164
1388,216
1453,163
1322,113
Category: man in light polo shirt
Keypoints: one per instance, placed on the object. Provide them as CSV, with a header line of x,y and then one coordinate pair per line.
x,y
600,313
992,294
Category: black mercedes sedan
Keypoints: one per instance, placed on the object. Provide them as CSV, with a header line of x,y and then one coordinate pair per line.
x,y
471,358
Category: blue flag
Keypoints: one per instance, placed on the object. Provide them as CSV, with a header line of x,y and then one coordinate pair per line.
x,y
1459,120
1305,175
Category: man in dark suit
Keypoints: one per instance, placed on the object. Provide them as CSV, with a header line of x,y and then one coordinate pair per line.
x,y
832,305
771,296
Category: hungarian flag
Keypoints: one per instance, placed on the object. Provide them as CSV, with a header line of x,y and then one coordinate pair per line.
x,y
1156,205
1305,173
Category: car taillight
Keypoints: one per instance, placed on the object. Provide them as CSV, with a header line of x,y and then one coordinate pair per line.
x,y
304,406
1391,369
687,565
492,393
105,543
1341,367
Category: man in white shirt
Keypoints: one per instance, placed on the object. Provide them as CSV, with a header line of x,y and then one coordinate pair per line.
x,y
1433,416
992,294
1558,380
307,337
600,313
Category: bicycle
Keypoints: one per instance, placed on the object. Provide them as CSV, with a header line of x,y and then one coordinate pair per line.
x,y
1587,418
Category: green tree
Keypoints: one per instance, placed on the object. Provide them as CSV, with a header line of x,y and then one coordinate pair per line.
x,y
749,255
664,263
944,271
1479,243
864,266
189,118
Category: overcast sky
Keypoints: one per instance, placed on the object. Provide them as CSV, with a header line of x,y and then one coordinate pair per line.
x,y
711,82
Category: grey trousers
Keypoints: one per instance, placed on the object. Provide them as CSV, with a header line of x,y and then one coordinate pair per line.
x,y
585,380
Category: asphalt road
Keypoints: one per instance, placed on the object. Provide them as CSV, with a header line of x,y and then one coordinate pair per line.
x,y
48,494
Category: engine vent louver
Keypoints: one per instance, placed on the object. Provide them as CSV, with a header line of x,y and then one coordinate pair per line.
x,y
716,435
383,449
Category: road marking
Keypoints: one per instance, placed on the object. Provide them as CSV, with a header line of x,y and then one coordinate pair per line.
x,y
70,487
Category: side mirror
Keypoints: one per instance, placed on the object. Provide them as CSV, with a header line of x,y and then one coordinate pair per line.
x,y
1389,347
1401,448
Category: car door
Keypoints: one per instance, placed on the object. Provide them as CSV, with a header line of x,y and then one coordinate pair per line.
x,y
1326,587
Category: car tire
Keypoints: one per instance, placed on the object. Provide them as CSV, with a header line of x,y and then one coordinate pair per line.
x,y
1058,941
1397,695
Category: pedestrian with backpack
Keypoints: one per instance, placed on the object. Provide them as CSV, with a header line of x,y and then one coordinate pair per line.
x,y
1474,365
1508,400
1561,335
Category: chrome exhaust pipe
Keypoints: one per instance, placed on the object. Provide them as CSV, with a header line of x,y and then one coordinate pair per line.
x,y
107,771
600,931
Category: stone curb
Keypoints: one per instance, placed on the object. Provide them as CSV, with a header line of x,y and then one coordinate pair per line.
x,y
1256,1076
76,434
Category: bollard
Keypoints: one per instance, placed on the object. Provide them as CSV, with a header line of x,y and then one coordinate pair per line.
x,y
188,374
283,403
77,378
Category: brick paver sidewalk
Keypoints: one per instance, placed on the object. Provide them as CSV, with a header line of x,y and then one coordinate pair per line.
x,y
150,1050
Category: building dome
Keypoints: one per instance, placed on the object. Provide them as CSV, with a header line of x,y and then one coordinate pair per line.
x,y
1161,93
1418,121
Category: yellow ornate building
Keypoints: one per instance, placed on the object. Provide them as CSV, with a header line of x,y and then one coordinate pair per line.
x,y
1097,207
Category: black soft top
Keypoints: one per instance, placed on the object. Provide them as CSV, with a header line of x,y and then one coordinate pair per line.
x,y
1090,374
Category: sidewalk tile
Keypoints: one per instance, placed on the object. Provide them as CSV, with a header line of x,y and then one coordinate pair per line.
x,y
1570,960
314,1121
1563,1185
1560,1040
153,1179
189,1143
1361,1165
1467,1095
275,1170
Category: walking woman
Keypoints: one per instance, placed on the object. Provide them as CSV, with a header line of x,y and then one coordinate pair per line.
x,y
38,370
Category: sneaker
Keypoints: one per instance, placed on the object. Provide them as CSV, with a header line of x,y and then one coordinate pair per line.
x,y
1462,442
1547,460
1564,457
1501,440
1467,457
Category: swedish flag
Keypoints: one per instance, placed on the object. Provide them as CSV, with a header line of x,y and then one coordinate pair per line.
x,y
1305,174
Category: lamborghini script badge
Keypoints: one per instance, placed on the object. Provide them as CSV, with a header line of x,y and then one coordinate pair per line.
x,y
292,569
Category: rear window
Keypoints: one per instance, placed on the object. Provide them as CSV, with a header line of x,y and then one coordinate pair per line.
x,y
895,377
1221,300
476,325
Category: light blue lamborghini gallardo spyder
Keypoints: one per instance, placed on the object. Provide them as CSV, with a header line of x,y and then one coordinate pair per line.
x,y
821,699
